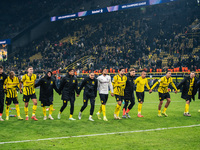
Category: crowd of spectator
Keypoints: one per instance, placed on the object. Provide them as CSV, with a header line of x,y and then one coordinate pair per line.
x,y
123,38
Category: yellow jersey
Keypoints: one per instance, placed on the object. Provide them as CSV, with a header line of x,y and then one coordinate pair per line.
x,y
163,84
28,84
119,84
191,86
141,82
11,86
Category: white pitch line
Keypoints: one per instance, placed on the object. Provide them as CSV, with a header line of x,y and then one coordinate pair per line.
x,y
100,134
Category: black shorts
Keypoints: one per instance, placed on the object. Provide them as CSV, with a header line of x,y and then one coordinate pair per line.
x,y
46,102
140,96
130,98
103,98
26,98
10,100
86,98
189,98
163,96
119,98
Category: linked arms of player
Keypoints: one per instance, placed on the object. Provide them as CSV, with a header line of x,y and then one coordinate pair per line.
x,y
148,87
55,87
81,86
174,86
95,88
40,82
181,83
111,88
76,86
62,84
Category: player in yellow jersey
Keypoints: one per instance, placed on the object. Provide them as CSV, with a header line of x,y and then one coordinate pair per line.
x,y
119,84
189,90
163,92
140,83
11,86
28,81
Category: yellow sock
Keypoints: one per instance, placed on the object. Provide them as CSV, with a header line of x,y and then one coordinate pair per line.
x,y
159,112
50,109
34,110
186,108
100,110
26,111
17,110
44,111
139,108
104,110
164,110
118,110
70,116
7,111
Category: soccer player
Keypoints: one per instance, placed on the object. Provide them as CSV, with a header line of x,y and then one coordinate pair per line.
x,y
163,92
68,87
129,93
47,84
104,84
3,77
28,81
11,86
140,83
90,92
119,84
189,90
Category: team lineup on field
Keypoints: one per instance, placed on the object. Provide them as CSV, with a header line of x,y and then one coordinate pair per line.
x,y
121,87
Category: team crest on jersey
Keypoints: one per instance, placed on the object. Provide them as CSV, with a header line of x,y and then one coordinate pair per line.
x,y
51,82
1,78
67,80
73,81
93,82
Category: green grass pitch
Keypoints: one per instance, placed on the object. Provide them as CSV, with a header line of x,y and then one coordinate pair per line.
x,y
175,138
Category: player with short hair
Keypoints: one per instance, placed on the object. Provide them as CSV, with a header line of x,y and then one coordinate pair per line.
x,y
3,77
119,84
68,87
11,87
104,84
163,92
140,83
28,81
189,90
90,92
129,93
47,84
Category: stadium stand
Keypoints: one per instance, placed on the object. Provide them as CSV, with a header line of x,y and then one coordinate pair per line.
x,y
152,38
